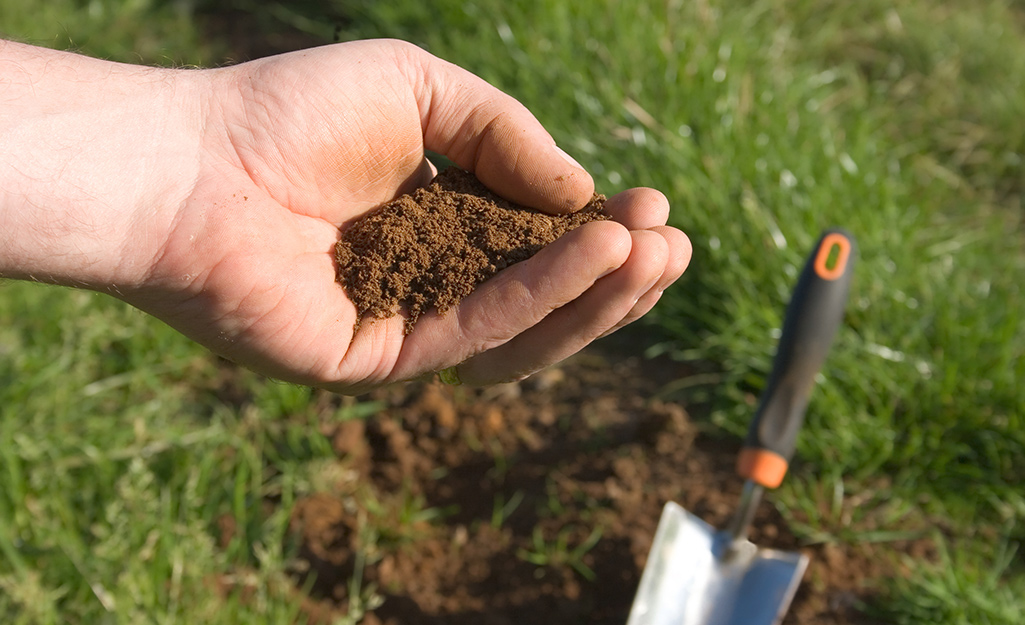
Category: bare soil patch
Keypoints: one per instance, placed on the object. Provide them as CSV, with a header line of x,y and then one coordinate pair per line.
x,y
502,477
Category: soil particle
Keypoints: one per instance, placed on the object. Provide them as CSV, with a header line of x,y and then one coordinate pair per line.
x,y
430,249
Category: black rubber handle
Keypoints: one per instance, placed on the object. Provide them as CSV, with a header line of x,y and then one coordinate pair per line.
x,y
815,311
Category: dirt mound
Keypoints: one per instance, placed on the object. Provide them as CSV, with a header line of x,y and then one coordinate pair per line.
x,y
432,248
533,501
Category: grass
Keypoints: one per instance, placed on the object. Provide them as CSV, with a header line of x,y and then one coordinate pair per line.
x,y
559,552
119,460
763,122
158,32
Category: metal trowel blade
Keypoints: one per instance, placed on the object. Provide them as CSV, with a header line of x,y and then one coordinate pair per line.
x,y
698,575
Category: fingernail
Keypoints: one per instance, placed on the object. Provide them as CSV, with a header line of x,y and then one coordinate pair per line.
x,y
569,159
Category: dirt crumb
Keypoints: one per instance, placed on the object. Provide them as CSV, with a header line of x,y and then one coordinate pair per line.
x,y
430,249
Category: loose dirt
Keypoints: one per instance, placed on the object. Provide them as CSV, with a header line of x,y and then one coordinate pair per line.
x,y
432,248
457,505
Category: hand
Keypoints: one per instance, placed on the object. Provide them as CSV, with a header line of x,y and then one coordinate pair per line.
x,y
290,148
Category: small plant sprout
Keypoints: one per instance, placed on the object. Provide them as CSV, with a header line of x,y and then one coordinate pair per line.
x,y
557,554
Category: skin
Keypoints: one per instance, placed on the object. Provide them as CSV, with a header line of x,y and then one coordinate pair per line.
x,y
212,199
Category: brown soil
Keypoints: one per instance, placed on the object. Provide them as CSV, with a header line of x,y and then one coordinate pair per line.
x,y
450,492
432,248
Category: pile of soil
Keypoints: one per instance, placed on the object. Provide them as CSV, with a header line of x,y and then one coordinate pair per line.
x,y
458,505
432,248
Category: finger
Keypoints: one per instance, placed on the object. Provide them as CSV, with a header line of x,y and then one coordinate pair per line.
x,y
571,327
491,134
680,253
369,359
679,258
639,209
641,308
516,299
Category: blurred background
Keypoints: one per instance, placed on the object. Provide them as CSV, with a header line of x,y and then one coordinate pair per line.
x,y
764,122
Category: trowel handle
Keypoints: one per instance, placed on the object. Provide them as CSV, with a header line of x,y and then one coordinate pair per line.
x,y
813,316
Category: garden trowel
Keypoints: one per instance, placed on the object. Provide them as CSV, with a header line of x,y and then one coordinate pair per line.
x,y
698,575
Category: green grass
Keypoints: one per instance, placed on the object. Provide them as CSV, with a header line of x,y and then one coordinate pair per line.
x,y
763,122
120,457
158,32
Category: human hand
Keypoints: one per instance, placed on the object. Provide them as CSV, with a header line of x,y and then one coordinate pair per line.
x,y
290,148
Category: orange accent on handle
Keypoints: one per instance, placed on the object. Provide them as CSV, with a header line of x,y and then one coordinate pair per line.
x,y
762,466
838,240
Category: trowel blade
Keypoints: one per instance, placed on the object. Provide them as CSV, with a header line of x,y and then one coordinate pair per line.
x,y
696,575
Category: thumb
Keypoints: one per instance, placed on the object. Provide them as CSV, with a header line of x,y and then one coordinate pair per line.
x,y
491,134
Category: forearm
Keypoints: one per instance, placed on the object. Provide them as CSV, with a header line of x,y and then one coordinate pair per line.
x,y
94,158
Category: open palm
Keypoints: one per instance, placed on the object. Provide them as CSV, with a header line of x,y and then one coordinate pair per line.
x,y
298,145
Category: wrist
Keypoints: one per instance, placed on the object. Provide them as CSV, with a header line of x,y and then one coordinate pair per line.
x,y
95,159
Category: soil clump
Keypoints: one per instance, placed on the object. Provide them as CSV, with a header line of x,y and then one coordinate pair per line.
x,y
430,249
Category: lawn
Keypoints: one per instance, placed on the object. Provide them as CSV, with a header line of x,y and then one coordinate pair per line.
x,y
123,446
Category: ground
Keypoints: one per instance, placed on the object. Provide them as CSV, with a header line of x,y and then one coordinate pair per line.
x,y
535,500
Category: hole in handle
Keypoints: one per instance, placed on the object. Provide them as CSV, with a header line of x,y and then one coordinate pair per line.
x,y
831,261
